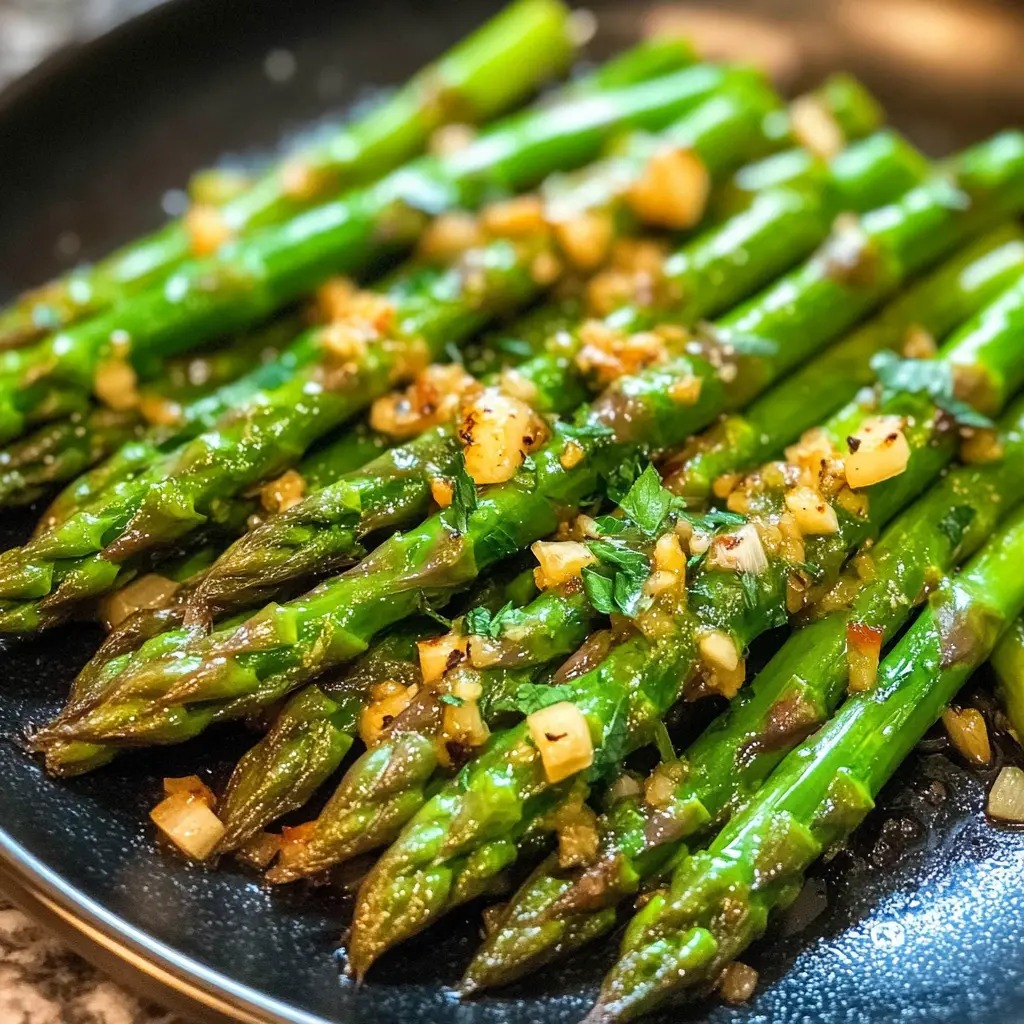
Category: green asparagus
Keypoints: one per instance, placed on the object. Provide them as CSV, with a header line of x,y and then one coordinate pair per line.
x,y
719,900
408,562
61,450
557,911
486,74
1008,663
388,784
247,280
935,305
424,874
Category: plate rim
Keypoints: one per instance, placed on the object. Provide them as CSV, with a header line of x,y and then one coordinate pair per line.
x,y
130,954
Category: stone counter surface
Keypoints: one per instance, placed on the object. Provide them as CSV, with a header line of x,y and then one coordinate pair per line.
x,y
42,982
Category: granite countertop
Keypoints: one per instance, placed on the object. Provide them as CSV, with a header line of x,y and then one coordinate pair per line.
x,y
41,981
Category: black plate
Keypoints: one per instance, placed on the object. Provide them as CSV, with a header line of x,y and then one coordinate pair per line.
x,y
922,920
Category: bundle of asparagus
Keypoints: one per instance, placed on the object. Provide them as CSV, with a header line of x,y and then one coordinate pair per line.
x,y
690,298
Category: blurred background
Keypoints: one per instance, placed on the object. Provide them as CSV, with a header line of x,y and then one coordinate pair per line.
x,y
31,29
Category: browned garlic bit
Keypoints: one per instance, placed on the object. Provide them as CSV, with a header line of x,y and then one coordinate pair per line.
x,y
439,654
304,181
442,491
433,398
283,493
585,237
878,451
815,128
462,722
562,737
147,592
116,384
607,353
207,229
918,343
669,574
334,299
635,275
863,649
367,318
813,515
159,411
738,551
514,218
979,445
724,669
575,824
498,432
672,192
449,235
572,455
387,701
559,561
451,138
738,983
968,733
662,783
1006,799
187,818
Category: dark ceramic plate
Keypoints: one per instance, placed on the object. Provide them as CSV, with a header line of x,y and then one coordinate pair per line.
x,y
922,920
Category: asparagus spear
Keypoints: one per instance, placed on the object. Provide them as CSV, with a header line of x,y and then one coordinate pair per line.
x,y
451,549
964,284
61,450
246,280
487,73
183,490
320,531
1008,663
557,911
423,875
194,418
402,561
388,783
719,900
260,439
316,729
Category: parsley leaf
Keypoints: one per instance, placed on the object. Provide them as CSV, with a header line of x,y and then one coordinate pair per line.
x,y
531,697
480,622
954,524
931,377
456,515
583,431
623,476
611,525
629,572
599,590
647,502
713,520
450,698
616,743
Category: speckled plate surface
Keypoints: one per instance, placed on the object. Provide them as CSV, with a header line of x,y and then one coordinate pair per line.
x,y
922,920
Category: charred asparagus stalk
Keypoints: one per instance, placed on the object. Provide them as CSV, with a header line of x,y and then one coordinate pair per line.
x,y
685,936
400,560
558,910
739,596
